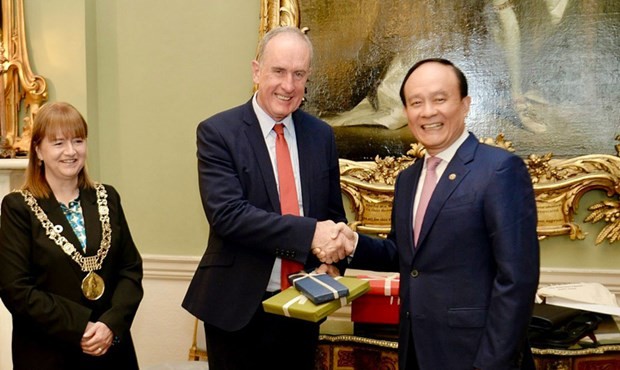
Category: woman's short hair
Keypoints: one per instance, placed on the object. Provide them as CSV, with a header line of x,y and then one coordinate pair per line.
x,y
52,120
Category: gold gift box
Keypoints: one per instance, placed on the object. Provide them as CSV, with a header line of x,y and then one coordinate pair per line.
x,y
292,303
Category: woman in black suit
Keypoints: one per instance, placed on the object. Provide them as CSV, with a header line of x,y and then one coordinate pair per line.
x,y
70,273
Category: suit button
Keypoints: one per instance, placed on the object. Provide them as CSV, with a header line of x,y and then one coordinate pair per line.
x,y
415,273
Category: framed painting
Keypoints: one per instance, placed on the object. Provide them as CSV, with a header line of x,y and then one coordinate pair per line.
x,y
545,73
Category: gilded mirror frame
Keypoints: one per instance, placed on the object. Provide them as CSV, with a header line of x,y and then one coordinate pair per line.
x,y
22,91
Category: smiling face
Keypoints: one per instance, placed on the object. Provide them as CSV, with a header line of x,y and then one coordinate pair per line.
x,y
63,157
434,107
281,75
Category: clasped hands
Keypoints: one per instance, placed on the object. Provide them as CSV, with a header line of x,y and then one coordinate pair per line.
x,y
333,242
97,339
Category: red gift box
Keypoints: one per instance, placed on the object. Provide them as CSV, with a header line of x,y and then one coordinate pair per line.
x,y
386,285
381,305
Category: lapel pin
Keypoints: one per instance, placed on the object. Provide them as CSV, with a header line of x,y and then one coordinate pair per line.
x,y
452,176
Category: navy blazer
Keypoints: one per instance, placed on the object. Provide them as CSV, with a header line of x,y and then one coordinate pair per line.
x,y
468,289
240,199
41,286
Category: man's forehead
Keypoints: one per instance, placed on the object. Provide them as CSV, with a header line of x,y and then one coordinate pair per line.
x,y
435,80
423,91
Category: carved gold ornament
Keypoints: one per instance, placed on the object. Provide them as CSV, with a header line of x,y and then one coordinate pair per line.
x,y
275,13
20,88
559,185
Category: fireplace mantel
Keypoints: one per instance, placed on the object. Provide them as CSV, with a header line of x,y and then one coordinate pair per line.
x,y
11,174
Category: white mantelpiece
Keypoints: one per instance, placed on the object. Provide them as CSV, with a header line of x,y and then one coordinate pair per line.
x,y
11,177
11,174
13,164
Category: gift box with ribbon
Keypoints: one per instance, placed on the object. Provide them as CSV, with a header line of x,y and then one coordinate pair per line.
x,y
292,303
381,305
319,288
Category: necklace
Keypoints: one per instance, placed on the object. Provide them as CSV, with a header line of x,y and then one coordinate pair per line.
x,y
92,285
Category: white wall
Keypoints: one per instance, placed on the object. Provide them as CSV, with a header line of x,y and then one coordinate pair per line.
x,y
163,330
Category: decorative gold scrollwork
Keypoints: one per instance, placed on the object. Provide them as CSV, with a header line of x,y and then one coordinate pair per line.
x,y
20,87
609,211
559,185
275,13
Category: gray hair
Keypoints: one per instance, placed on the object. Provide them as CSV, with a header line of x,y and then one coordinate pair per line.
x,y
280,30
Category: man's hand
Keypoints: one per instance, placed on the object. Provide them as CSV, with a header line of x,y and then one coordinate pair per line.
x,y
332,242
330,270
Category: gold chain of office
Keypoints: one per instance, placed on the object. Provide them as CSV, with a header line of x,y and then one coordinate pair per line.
x,y
92,285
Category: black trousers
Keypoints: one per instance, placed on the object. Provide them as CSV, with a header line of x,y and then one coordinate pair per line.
x,y
267,342
412,359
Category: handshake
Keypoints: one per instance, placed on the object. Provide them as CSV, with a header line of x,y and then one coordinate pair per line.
x,y
333,242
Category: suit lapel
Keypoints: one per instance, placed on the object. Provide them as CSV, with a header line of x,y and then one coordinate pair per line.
x,y
409,183
451,178
256,140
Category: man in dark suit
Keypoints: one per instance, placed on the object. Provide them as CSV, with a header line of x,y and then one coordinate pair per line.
x,y
250,240
468,282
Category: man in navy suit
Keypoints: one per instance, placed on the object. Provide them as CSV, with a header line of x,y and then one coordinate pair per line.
x,y
468,283
249,238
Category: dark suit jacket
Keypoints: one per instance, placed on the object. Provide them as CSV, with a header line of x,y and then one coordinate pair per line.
x,y
240,198
41,286
467,290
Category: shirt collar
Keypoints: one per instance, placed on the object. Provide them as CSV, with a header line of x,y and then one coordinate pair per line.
x,y
449,152
265,121
73,206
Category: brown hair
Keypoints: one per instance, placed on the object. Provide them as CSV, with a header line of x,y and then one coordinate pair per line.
x,y
50,120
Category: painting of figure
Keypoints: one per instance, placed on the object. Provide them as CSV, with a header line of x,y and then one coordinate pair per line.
x,y
545,73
